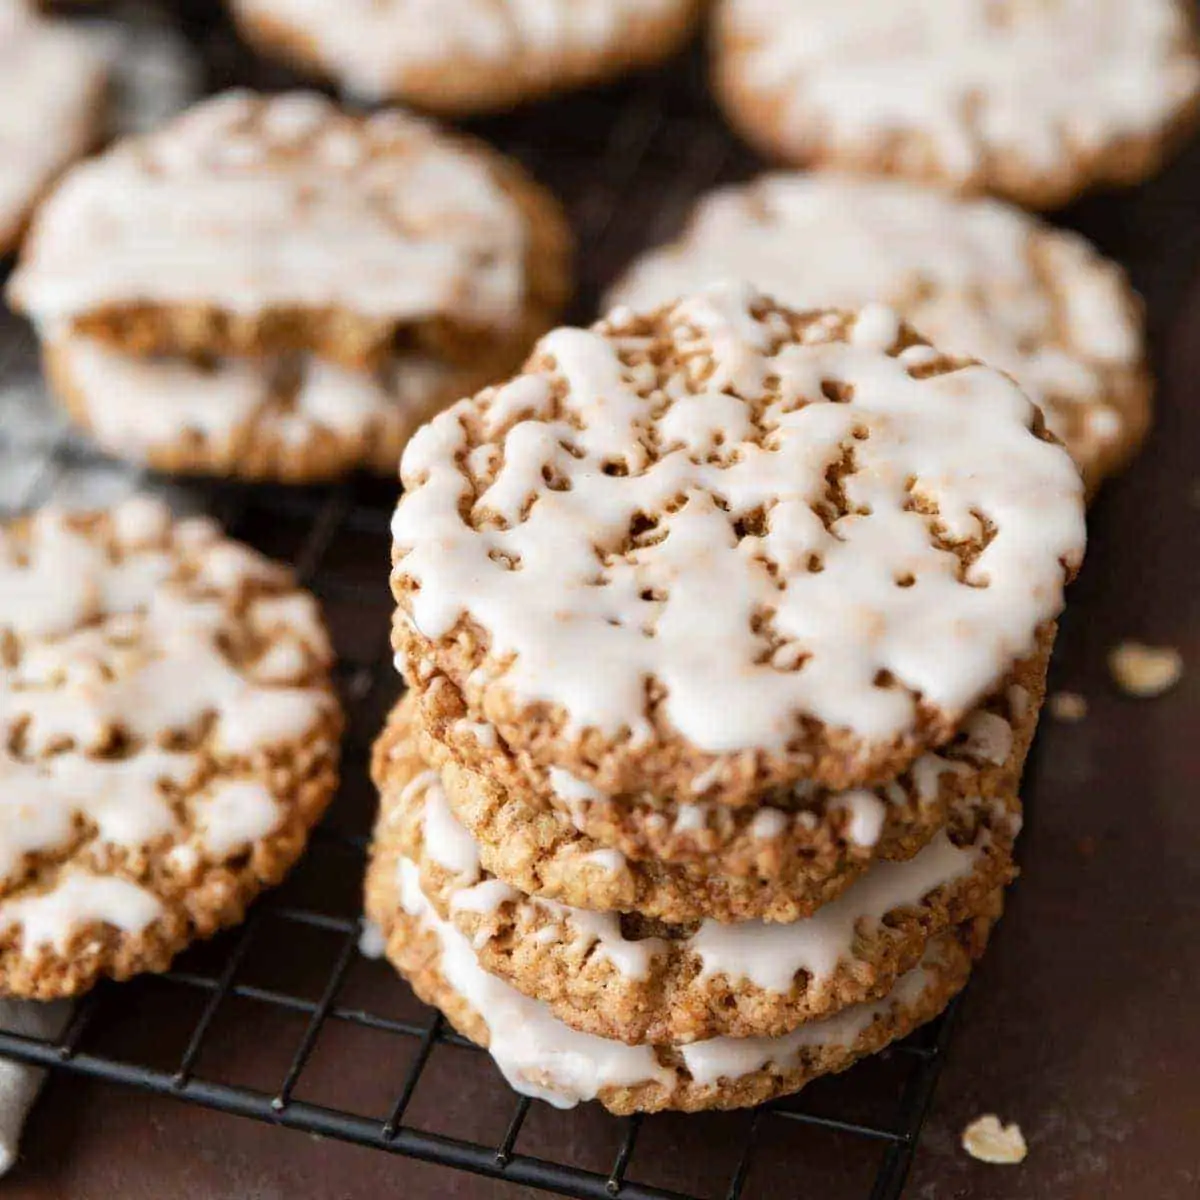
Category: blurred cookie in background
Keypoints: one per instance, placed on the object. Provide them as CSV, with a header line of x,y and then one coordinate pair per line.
x,y
52,107
978,277
272,288
1032,101
465,56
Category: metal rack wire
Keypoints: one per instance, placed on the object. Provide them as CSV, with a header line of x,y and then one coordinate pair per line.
x,y
627,162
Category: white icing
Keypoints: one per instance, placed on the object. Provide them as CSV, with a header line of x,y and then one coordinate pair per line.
x,y
250,203
988,737
49,919
538,1055
371,942
770,955
544,1058
372,46
612,861
449,844
446,841
127,647
927,774
575,794
710,1061
587,933
692,818
53,80
40,800
584,627
1035,81
481,731
968,274
702,782
867,813
232,813
768,823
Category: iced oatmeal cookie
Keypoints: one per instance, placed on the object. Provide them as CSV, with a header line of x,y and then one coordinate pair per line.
x,y
727,542
170,737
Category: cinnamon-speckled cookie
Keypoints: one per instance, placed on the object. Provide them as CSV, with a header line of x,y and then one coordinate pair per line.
x,y
806,840
729,543
170,737
636,981
255,225
542,1057
976,277
52,107
1035,100
466,56
538,850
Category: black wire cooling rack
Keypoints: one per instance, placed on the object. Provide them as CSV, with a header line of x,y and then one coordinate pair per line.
x,y
627,162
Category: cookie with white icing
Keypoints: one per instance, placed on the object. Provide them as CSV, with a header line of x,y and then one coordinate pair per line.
x,y
727,542
257,225
539,850
976,277
170,737
806,842
288,419
1034,100
542,1057
51,107
636,981
466,56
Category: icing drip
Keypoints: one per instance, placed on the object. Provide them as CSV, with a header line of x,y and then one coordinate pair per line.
x,y
544,1058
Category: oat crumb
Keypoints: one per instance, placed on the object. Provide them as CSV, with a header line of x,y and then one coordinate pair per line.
x,y
1068,706
1145,671
989,1141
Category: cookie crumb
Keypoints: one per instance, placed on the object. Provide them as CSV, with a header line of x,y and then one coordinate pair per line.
x,y
1145,671
990,1142
1068,706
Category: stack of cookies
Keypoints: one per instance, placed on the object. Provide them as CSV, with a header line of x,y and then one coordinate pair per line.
x,y
725,629
271,288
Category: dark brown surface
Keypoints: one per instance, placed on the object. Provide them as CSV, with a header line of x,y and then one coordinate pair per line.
x,y
1081,1022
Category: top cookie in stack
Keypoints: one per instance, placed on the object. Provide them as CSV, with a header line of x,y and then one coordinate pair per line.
x,y
706,615
303,285
724,547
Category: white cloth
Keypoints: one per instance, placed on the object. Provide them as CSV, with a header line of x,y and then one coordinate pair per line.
x,y
20,1084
